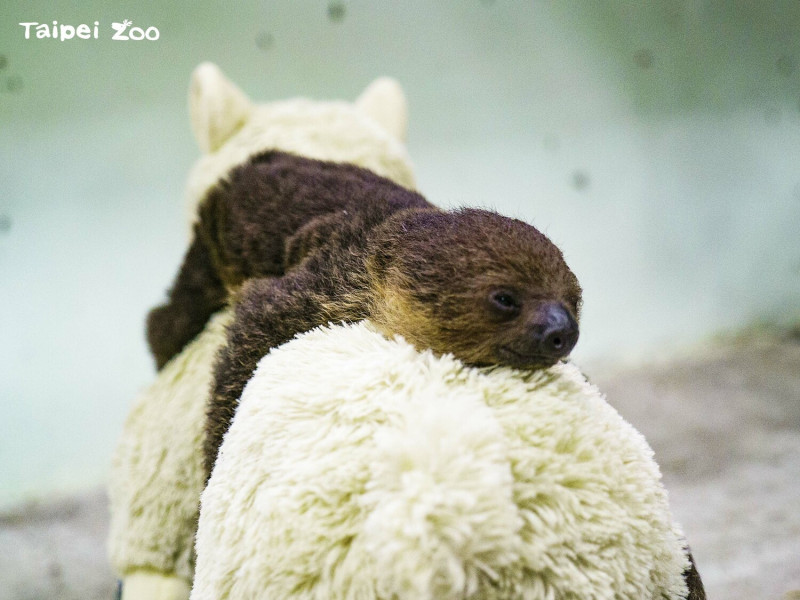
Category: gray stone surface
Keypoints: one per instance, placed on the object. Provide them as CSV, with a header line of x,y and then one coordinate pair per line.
x,y
725,426
56,551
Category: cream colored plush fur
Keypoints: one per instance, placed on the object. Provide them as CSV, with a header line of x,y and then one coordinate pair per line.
x,y
157,469
145,583
156,475
359,468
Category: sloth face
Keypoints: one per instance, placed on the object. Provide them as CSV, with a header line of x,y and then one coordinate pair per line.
x,y
488,289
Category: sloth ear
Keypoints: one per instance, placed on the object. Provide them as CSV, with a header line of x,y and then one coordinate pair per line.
x,y
385,102
217,107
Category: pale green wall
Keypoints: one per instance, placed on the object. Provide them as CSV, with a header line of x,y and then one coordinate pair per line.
x,y
658,143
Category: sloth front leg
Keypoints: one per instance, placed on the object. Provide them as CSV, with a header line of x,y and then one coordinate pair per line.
x,y
196,294
269,312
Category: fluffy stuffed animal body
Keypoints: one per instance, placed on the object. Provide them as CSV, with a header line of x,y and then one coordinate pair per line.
x,y
157,470
415,477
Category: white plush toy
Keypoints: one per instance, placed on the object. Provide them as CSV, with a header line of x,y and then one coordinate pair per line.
x,y
359,468
157,473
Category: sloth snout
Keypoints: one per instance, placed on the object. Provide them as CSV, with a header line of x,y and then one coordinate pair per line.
x,y
556,332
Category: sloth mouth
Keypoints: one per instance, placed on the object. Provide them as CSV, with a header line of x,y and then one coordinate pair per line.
x,y
524,360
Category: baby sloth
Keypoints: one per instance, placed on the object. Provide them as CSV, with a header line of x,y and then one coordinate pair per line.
x,y
301,243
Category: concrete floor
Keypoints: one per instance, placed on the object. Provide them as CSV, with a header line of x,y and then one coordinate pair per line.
x,y
724,423
56,551
725,427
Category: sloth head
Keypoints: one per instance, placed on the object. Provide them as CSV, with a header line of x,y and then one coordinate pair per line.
x,y
488,289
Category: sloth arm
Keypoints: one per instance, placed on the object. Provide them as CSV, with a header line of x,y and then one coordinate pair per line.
x,y
269,312
219,250
226,250
196,294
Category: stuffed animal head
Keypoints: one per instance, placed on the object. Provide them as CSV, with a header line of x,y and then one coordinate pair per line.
x,y
230,128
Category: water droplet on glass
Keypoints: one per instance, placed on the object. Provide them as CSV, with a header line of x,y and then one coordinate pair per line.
x,y
580,180
785,65
5,223
643,58
3,62
264,40
14,84
336,11
54,570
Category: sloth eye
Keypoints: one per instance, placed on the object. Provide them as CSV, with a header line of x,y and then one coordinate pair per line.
x,y
504,301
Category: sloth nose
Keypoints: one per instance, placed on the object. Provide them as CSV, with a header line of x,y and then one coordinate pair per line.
x,y
556,333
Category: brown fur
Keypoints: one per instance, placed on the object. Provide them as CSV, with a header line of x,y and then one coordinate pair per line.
x,y
432,275
264,219
198,293
319,242
693,581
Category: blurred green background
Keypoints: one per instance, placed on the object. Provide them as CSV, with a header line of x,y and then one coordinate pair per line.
x,y
657,143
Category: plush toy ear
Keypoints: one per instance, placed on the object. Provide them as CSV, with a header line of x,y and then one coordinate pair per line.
x,y
217,107
384,101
